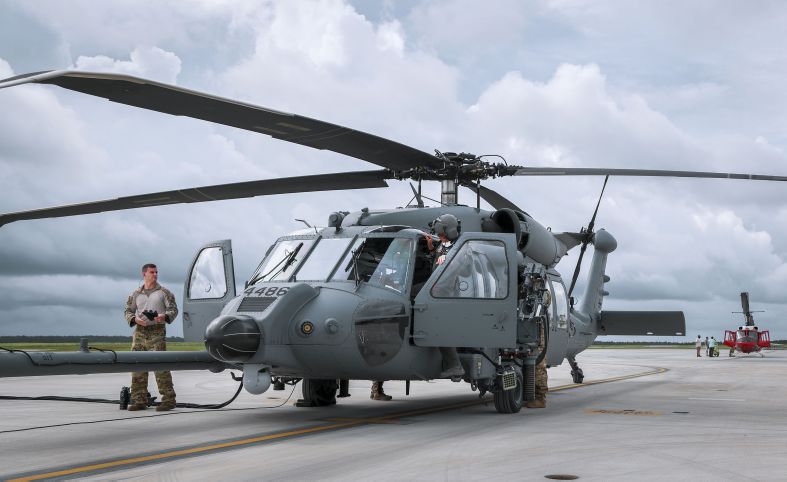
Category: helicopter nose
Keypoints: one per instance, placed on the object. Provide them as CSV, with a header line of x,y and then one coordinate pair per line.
x,y
232,338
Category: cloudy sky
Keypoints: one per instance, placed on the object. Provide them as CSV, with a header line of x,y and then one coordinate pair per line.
x,y
658,85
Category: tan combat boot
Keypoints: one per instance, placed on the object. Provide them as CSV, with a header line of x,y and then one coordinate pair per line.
x,y
136,406
164,406
538,402
378,393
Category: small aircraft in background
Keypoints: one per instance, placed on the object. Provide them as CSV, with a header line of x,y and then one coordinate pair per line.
x,y
747,338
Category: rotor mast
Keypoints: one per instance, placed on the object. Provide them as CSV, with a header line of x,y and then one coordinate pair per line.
x,y
449,194
457,170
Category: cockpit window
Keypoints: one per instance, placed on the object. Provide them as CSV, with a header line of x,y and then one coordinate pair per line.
x,y
323,259
283,260
378,261
391,272
348,262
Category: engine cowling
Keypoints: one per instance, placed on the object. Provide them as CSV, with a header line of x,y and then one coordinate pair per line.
x,y
533,239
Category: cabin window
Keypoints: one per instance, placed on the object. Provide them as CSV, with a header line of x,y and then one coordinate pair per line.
x,y
208,280
478,270
561,304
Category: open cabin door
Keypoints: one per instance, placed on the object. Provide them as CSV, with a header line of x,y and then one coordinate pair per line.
x,y
470,299
730,338
558,322
764,339
210,284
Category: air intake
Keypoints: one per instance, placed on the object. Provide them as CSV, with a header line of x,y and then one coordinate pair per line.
x,y
255,304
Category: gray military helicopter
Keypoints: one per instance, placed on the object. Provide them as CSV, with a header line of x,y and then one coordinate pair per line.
x,y
361,298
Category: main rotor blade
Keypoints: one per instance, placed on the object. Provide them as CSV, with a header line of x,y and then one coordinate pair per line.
x,y
592,222
745,303
174,100
494,199
236,190
591,171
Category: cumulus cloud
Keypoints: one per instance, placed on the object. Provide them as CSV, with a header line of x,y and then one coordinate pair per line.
x,y
149,62
549,84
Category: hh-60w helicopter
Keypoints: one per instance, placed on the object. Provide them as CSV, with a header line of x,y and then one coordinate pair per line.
x,y
747,338
358,299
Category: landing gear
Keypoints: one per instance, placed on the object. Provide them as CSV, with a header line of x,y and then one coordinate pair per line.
x,y
510,401
318,393
576,372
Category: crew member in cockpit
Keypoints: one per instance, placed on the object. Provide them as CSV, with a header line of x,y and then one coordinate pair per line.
x,y
446,227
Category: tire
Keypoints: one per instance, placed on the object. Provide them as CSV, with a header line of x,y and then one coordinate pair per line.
x,y
320,393
510,401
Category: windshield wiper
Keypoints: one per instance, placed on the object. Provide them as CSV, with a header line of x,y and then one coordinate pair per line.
x,y
287,260
353,263
291,258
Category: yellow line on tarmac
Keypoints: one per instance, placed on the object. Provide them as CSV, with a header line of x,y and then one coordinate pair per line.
x,y
281,435
196,450
655,371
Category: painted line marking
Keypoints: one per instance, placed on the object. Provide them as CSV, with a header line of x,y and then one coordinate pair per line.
x,y
645,413
719,399
126,463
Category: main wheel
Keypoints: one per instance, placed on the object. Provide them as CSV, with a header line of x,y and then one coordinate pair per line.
x,y
510,401
319,393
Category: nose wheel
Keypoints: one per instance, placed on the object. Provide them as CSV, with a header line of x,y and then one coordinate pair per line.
x,y
576,372
318,393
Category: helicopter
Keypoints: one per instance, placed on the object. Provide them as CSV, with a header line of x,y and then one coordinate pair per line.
x,y
747,338
360,298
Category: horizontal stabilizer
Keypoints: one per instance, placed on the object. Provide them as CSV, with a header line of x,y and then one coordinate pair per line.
x,y
650,323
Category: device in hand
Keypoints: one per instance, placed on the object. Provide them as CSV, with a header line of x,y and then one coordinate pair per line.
x,y
150,314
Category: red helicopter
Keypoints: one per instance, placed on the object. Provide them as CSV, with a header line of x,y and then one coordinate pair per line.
x,y
748,338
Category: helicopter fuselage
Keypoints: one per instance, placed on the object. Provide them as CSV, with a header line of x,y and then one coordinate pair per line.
x,y
366,301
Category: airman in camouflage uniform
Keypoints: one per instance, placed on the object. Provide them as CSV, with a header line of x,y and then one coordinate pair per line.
x,y
150,335
540,400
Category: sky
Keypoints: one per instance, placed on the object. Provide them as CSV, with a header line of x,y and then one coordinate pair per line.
x,y
651,85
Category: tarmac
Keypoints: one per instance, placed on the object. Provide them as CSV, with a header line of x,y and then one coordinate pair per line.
x,y
641,414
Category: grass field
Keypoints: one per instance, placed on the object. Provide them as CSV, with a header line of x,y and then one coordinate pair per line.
x,y
125,346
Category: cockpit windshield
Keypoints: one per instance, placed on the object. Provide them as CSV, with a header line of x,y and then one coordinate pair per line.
x,y
375,260
283,260
321,262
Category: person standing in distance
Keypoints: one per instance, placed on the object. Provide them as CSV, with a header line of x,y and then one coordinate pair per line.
x,y
150,308
698,344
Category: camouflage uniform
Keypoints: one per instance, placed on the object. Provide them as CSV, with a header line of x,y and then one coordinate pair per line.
x,y
378,393
151,338
541,369
541,388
